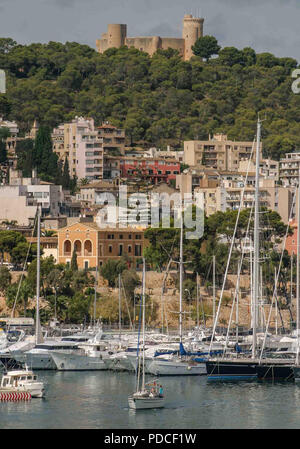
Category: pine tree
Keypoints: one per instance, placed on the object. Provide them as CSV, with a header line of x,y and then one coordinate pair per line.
x,y
74,266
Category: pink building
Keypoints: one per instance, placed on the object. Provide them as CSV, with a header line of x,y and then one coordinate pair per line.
x,y
155,170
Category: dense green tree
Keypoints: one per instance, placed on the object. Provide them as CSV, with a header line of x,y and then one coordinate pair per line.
x,y
111,269
5,278
206,47
230,56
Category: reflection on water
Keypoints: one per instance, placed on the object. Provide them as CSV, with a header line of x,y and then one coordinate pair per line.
x,y
99,400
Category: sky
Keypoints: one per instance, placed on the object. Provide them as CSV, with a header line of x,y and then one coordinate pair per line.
x,y
265,25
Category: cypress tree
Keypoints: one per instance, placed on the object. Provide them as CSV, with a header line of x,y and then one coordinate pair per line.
x,y
3,152
42,152
4,133
66,180
74,266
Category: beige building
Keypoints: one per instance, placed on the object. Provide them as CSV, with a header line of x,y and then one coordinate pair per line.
x,y
116,36
268,168
273,197
218,153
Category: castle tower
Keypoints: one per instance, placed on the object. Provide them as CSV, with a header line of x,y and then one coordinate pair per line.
x,y
116,35
191,31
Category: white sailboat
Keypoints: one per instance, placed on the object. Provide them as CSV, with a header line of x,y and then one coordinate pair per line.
x,y
149,395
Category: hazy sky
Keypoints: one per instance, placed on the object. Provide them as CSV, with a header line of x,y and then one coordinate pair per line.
x,y
265,25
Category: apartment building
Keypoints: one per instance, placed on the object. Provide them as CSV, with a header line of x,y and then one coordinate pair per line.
x,y
111,166
80,143
94,246
268,169
19,199
218,153
154,170
271,196
113,139
289,169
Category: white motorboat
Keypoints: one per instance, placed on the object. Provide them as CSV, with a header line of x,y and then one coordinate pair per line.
x,y
40,357
22,381
88,357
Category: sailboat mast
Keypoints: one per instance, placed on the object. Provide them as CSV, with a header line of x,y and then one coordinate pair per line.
x,y
144,315
38,265
197,301
95,294
180,276
298,275
214,288
120,312
256,241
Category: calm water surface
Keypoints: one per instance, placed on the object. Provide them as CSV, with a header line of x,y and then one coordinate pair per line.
x,y
98,400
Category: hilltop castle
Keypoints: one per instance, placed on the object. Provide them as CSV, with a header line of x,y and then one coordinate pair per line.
x,y
116,36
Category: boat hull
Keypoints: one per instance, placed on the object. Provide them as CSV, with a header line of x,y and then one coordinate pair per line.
x,y
37,361
77,362
275,372
170,368
231,370
145,403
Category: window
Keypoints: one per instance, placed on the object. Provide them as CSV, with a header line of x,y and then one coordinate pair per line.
x,y
120,250
110,236
77,247
88,248
137,250
67,248
129,248
138,237
110,249
121,236
86,264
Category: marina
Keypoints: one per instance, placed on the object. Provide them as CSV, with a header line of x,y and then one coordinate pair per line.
x,y
99,400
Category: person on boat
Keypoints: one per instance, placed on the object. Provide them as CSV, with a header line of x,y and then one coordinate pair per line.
x,y
161,391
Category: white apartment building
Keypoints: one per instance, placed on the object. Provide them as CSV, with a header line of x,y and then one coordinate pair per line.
x,y
19,199
80,143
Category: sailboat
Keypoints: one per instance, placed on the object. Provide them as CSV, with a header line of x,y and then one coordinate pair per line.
x,y
182,364
148,395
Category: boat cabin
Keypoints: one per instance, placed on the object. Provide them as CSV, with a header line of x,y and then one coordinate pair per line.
x,y
12,378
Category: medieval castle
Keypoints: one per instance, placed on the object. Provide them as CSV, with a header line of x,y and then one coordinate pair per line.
x,y
116,36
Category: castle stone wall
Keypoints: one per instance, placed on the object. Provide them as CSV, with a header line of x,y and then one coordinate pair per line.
x,y
116,36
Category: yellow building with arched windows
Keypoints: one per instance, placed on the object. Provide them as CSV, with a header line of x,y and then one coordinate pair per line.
x,y
94,246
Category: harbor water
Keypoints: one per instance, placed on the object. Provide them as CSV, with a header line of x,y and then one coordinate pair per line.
x,y
98,400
